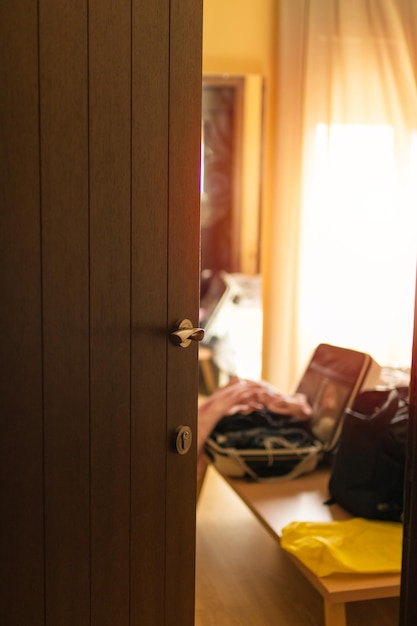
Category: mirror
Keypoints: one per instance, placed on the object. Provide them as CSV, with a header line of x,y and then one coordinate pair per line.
x,y
231,172
232,112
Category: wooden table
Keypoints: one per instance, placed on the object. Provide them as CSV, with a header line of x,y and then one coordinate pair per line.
x,y
277,503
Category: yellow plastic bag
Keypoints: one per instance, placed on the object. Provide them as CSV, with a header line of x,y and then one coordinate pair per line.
x,y
355,545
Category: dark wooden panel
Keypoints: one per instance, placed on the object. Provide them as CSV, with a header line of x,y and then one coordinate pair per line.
x,y
184,231
21,481
110,207
149,307
64,203
408,600
86,262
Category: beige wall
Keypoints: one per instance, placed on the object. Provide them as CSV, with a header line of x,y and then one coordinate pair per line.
x,y
239,38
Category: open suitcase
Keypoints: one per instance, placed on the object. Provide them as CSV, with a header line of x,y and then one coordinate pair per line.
x,y
267,445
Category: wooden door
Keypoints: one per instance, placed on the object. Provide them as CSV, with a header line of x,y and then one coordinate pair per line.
x,y
99,229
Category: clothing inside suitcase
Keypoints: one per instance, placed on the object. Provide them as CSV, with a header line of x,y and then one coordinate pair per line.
x,y
267,445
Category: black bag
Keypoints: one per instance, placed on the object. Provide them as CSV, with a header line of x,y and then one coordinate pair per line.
x,y
367,476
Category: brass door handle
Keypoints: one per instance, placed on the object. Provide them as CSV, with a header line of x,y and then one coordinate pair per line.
x,y
186,333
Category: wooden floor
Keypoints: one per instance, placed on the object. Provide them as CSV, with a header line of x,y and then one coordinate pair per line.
x,y
244,579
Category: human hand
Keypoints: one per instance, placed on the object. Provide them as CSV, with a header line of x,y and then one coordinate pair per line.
x,y
286,404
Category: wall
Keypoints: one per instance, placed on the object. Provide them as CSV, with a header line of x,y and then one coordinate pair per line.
x,y
239,38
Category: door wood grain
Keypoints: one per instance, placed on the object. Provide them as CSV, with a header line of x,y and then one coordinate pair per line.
x,y
99,261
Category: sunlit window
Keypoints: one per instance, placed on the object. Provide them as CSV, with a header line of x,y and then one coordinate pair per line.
x,y
358,244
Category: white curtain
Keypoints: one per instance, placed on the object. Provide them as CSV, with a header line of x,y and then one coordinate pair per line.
x,y
344,232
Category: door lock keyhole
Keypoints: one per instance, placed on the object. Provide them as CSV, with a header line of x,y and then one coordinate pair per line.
x,y
183,439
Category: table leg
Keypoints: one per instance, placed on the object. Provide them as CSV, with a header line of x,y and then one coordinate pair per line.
x,y
334,614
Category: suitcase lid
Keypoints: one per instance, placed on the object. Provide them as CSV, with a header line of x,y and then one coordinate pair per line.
x,y
332,379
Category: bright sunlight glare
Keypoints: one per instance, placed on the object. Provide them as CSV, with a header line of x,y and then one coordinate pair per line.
x,y
358,250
